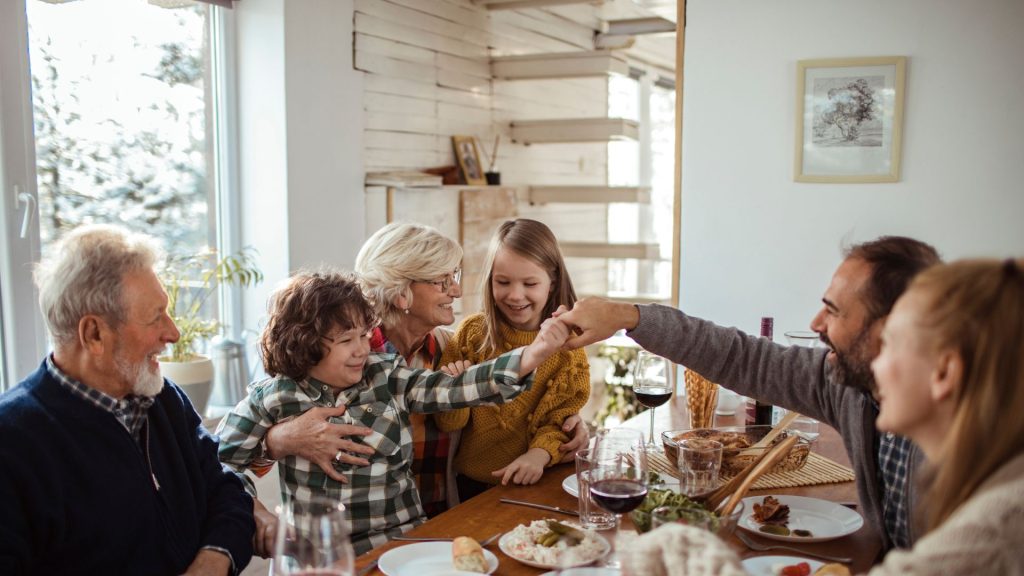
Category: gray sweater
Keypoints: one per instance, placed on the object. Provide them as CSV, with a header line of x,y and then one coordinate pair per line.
x,y
796,378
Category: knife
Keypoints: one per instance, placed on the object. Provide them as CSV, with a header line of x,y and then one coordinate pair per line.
x,y
541,506
367,569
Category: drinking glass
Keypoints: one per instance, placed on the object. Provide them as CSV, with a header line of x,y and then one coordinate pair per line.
x,y
591,516
807,427
618,480
312,539
700,461
652,385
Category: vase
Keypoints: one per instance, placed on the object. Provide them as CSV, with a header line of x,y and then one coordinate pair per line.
x,y
195,378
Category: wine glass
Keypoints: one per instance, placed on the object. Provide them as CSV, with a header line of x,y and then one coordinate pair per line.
x,y
619,476
652,385
313,539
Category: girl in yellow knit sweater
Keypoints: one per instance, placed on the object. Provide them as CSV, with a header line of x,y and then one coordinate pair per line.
x,y
525,283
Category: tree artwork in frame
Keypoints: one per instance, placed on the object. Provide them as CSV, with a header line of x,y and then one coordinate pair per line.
x,y
469,160
849,119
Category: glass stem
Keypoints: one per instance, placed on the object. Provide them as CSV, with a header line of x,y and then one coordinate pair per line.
x,y
651,437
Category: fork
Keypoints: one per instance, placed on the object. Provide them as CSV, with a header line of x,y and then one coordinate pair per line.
x,y
762,547
415,539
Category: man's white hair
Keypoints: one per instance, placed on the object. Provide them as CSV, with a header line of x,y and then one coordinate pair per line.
x,y
83,275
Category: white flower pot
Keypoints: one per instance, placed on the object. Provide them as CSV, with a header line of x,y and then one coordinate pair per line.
x,y
195,378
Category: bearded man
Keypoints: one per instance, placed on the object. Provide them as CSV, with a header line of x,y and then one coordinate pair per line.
x,y
834,385
107,467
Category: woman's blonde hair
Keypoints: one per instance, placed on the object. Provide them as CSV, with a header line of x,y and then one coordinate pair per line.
x,y
976,309
534,241
398,254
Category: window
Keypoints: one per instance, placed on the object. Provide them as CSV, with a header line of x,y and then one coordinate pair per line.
x,y
126,112
647,162
120,103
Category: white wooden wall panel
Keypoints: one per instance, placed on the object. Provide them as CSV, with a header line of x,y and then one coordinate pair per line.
x,y
427,78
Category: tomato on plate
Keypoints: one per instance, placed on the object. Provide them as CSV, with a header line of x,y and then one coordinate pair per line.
x,y
801,569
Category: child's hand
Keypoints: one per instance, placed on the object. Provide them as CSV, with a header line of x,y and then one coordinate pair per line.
x,y
527,469
553,334
456,368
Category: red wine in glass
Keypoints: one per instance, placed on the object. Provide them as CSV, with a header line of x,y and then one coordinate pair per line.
x,y
652,386
618,495
652,396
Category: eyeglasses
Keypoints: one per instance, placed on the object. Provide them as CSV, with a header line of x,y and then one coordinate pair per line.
x,y
444,284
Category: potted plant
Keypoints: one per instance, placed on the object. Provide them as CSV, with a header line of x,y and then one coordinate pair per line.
x,y
190,281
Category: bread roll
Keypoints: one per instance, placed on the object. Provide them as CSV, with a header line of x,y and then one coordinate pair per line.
x,y
468,555
832,570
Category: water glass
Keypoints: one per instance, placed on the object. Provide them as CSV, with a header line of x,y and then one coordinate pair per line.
x,y
700,461
592,516
313,538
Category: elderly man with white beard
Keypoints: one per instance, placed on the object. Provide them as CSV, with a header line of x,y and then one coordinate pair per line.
x,y
107,467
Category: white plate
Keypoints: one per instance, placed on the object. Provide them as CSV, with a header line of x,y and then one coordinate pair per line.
x,y
587,572
572,486
826,520
425,559
503,544
764,565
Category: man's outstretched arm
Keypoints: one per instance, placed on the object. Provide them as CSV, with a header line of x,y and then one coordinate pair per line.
x,y
596,319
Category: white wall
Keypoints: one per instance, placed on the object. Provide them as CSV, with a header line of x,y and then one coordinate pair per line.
x,y
301,139
756,243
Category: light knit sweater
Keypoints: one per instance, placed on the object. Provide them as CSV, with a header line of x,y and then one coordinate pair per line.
x,y
494,436
985,535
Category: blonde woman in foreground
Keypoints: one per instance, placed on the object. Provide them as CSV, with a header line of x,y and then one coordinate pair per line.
x,y
950,377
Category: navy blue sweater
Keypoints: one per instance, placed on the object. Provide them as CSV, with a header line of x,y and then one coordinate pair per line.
x,y
77,495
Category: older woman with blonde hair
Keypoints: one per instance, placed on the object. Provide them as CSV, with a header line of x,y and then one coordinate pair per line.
x,y
411,274
951,378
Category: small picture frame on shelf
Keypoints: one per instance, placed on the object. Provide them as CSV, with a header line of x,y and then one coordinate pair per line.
x,y
468,159
849,119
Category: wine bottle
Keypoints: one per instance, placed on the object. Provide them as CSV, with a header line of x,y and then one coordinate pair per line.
x,y
760,413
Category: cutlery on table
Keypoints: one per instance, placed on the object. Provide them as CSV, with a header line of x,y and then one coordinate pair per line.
x,y
367,569
763,547
439,539
541,506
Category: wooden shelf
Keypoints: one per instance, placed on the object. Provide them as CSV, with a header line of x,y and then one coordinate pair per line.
x,y
633,298
573,130
610,250
517,4
588,194
560,65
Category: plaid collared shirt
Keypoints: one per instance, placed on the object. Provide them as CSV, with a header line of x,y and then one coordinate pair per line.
x,y
893,465
380,499
131,411
430,444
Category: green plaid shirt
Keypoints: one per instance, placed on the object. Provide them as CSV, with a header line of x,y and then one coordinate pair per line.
x,y
380,499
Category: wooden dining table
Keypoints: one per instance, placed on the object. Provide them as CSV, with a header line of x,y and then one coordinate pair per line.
x,y
485,515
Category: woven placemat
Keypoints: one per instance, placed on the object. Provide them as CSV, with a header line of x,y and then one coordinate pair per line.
x,y
817,470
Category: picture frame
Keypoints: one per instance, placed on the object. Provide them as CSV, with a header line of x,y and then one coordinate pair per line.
x,y
849,119
467,156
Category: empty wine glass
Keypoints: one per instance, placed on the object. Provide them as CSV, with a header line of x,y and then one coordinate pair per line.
x,y
652,385
312,539
619,478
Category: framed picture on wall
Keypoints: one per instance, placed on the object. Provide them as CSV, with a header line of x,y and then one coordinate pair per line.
x,y
849,119
468,158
